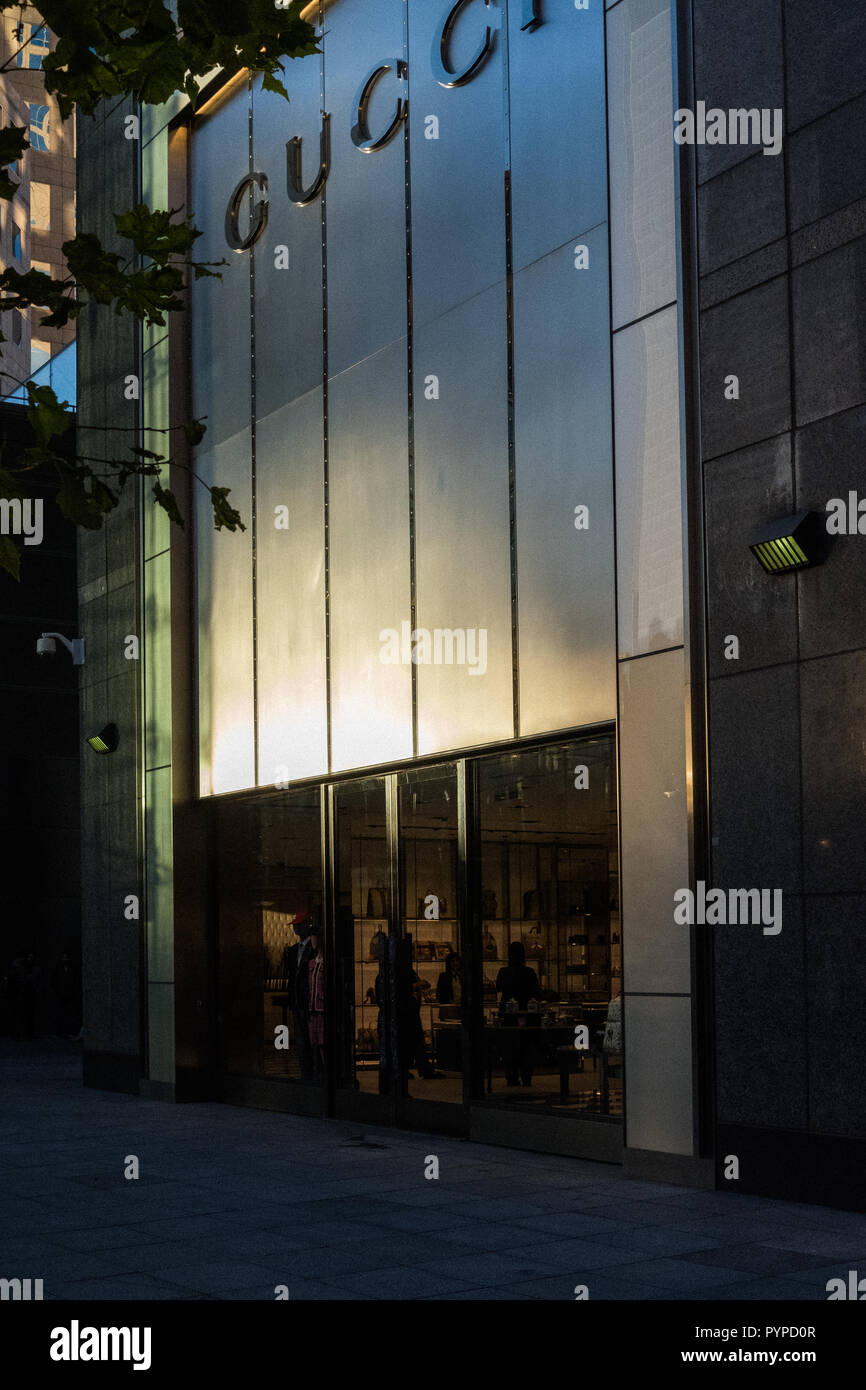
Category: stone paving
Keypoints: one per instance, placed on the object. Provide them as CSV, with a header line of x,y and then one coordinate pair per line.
x,y
231,1203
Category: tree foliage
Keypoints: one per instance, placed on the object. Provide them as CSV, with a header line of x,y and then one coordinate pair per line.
x,y
149,51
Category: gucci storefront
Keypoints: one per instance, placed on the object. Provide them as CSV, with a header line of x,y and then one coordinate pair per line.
x,y
419,791
429,945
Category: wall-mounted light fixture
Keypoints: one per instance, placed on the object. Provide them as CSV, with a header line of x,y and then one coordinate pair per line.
x,y
106,740
791,543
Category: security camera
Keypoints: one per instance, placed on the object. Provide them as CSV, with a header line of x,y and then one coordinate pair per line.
x,y
46,645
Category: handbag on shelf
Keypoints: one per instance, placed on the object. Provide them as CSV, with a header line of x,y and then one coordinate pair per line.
x,y
488,903
377,905
533,905
377,945
490,948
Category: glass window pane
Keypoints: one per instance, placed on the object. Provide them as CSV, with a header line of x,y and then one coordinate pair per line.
x,y
551,942
271,938
39,126
364,944
431,982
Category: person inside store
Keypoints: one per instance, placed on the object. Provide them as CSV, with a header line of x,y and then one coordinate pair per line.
x,y
297,970
410,1028
449,986
316,998
517,983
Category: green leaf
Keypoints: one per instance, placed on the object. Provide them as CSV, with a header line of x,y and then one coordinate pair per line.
x,y
225,516
167,500
86,507
271,83
9,485
10,557
153,233
48,416
194,432
13,143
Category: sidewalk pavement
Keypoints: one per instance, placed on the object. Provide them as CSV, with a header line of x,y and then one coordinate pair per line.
x,y
230,1203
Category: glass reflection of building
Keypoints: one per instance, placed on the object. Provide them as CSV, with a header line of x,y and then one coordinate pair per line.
x,y
423,907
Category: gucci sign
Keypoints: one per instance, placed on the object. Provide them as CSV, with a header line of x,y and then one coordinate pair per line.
x,y
252,190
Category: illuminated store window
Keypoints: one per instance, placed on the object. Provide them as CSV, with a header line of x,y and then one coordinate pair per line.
x,y
366,947
40,206
35,49
271,947
430,986
39,126
551,944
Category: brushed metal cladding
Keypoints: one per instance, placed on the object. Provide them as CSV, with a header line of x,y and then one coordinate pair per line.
x,y
648,484
458,180
642,194
371,700
288,300
558,147
290,592
366,191
225,623
462,525
220,318
564,460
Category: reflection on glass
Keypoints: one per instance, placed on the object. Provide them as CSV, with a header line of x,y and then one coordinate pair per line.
x,y
366,952
430,986
551,942
271,942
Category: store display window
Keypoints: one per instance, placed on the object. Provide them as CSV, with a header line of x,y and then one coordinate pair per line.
x,y
271,947
551,943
